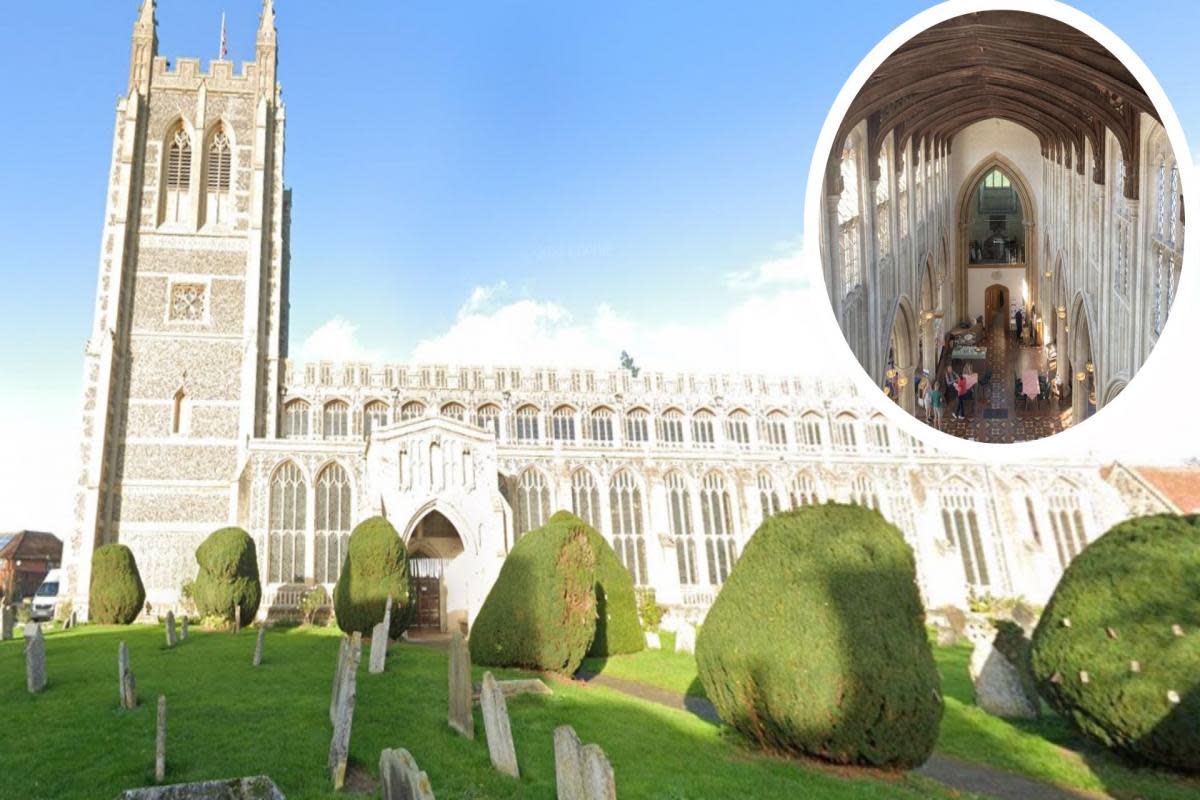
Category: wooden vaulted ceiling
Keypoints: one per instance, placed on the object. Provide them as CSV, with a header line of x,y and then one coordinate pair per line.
x,y
1050,78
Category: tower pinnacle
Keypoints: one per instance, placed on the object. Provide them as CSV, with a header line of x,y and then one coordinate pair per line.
x,y
144,48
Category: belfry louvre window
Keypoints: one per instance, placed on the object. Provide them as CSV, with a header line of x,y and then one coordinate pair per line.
x,y
585,497
220,161
332,524
679,510
625,505
179,161
716,511
287,524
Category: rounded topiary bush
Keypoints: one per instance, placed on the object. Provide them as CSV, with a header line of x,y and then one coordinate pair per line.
x,y
816,644
1118,603
541,611
116,594
376,566
228,576
618,631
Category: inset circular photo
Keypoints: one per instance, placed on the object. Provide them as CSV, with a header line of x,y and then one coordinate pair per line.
x,y
1002,225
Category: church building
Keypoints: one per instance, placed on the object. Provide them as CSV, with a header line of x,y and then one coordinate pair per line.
x,y
194,416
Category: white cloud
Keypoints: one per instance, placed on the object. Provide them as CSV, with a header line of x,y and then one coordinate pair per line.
x,y
481,298
336,340
785,270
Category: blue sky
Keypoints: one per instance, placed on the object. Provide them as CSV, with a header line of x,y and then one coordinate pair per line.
x,y
607,164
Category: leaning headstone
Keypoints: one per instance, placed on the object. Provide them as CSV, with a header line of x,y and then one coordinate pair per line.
x,y
379,641
652,641
339,745
998,687
7,618
401,778
35,658
170,629
183,626
685,638
259,787
258,644
462,717
598,780
160,741
339,671
125,677
568,764
519,686
497,727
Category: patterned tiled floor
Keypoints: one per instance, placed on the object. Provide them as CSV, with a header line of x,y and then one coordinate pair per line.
x,y
996,415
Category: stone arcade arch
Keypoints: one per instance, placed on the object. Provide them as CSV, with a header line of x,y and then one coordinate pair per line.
x,y
966,193
1082,366
904,344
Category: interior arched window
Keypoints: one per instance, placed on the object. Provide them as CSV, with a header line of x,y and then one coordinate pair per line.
x,y
177,176
218,201
332,535
286,524
625,505
849,219
585,497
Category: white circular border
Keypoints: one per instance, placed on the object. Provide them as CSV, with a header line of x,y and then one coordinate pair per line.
x,y
1070,443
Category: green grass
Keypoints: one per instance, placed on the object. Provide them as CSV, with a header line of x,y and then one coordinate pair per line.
x,y
228,719
1048,749
663,668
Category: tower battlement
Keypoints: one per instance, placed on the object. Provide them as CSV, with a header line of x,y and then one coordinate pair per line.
x,y
189,73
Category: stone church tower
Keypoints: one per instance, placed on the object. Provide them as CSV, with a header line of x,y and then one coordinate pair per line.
x,y
182,368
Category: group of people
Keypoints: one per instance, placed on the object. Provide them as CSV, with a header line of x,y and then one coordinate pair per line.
x,y
934,393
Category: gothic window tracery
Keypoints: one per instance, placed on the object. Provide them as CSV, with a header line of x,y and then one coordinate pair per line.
x,y
562,424
585,497
679,513
1067,522
775,427
670,428
625,505
703,434
737,428
375,416
532,508
413,409
218,204
295,419
527,424
335,423
849,219
332,536
768,495
454,411
637,425
960,521
600,427
488,418
717,515
286,524
804,491
177,177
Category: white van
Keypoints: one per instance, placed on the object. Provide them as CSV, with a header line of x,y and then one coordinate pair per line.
x,y
45,599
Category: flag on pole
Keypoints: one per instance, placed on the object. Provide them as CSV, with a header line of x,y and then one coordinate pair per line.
x,y
224,39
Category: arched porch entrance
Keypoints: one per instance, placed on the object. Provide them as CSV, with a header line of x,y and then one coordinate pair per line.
x,y
433,545
996,301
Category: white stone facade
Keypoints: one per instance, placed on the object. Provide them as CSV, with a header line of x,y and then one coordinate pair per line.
x,y
194,418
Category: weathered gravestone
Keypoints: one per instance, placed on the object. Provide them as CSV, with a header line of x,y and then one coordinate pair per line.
x,y
35,658
258,644
497,727
581,772
170,629
160,741
998,687
7,619
461,717
183,628
338,672
685,638
401,778
259,787
379,641
125,678
652,641
520,686
339,745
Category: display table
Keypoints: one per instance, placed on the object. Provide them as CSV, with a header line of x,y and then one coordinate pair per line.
x,y
964,352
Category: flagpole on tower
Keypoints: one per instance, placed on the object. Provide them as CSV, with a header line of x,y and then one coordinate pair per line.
x,y
223,49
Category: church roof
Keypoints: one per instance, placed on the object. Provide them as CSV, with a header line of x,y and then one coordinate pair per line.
x,y
1179,485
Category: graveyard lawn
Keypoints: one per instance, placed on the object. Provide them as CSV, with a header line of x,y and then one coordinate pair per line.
x,y
228,718
1048,749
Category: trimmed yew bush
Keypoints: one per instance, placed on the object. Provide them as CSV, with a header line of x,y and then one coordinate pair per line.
x,y
1107,653
116,594
541,611
617,628
816,644
228,576
376,566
